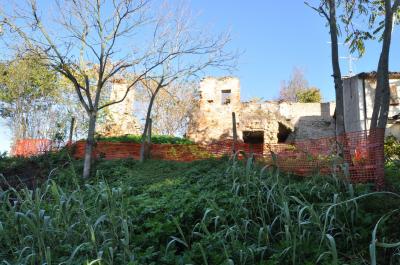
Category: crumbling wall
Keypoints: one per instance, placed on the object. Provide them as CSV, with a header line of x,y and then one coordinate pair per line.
x,y
120,118
260,116
310,120
212,120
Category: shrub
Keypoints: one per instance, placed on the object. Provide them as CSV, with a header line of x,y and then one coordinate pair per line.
x,y
156,139
309,95
392,148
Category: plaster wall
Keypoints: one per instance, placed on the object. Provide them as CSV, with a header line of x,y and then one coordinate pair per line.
x,y
359,95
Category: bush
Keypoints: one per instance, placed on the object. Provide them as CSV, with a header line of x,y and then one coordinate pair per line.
x,y
155,139
31,170
392,148
309,95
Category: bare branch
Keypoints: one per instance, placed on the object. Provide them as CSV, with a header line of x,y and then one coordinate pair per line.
x,y
320,9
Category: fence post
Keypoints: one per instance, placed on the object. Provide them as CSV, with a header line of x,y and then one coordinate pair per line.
x,y
71,130
234,132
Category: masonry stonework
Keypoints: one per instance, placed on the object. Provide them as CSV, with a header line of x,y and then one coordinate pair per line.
x,y
120,118
256,121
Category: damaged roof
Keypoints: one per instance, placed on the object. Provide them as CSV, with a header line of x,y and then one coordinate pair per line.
x,y
372,75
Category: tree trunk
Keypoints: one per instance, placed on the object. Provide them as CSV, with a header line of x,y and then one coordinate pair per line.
x,y
382,96
382,92
146,127
87,164
71,130
337,76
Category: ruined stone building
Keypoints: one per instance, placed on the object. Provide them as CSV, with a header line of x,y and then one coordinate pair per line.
x,y
262,121
359,94
120,118
256,121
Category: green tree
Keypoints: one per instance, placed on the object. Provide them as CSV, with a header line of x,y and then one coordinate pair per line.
x,y
310,95
28,93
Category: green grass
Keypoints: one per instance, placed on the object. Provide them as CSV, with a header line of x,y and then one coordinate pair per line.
x,y
205,212
156,139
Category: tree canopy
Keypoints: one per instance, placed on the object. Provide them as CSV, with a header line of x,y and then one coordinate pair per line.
x,y
28,90
310,95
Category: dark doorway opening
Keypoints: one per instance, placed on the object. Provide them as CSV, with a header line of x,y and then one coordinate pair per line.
x,y
253,137
283,133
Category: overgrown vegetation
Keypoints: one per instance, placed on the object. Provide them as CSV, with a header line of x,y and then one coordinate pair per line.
x,y
155,139
392,149
205,212
310,95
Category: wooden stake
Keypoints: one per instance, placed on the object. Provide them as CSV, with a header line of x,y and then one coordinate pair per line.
x,y
71,130
234,132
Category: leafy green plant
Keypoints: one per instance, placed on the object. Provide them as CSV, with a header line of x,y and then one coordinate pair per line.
x,y
156,139
204,212
309,95
392,148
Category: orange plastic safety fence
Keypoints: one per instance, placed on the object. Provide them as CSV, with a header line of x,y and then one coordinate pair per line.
x,y
30,147
358,156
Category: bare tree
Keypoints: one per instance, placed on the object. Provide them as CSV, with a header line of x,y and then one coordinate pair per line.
x,y
193,50
171,109
327,9
95,33
297,82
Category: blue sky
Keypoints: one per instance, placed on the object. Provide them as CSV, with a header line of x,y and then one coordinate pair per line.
x,y
276,36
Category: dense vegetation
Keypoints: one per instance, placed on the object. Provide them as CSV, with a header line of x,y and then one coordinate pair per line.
x,y
392,149
205,212
155,139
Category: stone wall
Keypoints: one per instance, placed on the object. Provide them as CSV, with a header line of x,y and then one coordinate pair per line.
x,y
310,120
120,118
212,119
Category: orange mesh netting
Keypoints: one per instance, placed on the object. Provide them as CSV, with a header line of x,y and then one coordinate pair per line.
x,y
356,155
30,147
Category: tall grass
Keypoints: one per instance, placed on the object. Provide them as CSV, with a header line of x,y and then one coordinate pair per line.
x,y
284,221
210,212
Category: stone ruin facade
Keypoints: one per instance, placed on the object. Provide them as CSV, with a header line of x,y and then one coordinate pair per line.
x,y
256,121
120,118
